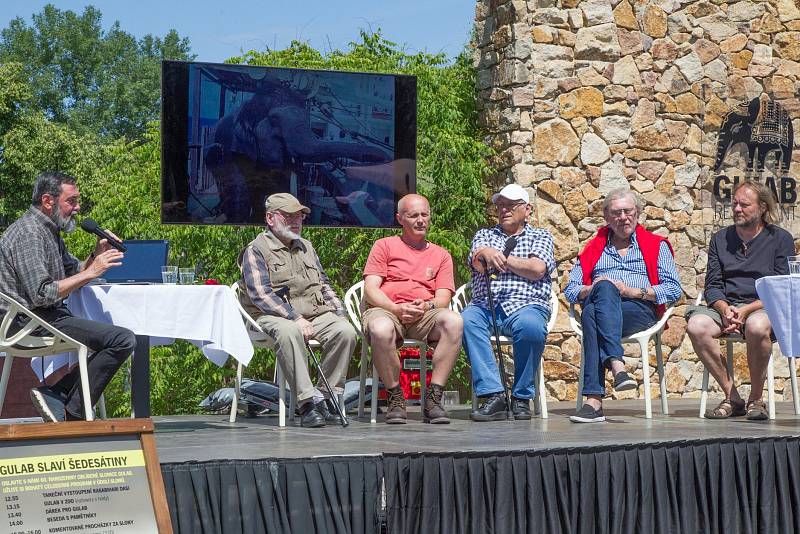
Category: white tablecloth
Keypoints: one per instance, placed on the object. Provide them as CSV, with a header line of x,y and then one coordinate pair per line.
x,y
781,298
207,316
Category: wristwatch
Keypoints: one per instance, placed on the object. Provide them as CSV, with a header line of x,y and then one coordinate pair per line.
x,y
431,305
644,293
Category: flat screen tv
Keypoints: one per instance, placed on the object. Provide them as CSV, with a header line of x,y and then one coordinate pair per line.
x,y
344,143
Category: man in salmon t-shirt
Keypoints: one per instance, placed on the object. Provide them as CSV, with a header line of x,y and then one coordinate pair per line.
x,y
408,284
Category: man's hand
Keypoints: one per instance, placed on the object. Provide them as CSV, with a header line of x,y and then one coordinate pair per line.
x,y
410,312
102,244
104,261
494,259
305,327
733,320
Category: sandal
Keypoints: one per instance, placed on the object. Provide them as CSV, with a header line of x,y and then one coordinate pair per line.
x,y
726,409
757,410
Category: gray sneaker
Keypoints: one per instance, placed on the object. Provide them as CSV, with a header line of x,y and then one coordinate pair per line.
x,y
48,403
587,414
624,382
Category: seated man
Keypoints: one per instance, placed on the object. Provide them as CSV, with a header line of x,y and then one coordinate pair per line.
x,y
290,297
521,295
623,278
37,271
408,284
737,255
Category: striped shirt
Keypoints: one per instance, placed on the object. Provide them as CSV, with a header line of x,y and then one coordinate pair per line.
x,y
255,275
630,269
33,259
509,290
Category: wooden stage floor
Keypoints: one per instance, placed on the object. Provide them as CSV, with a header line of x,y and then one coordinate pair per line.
x,y
212,437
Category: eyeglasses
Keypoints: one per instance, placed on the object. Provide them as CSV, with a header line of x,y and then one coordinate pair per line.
x,y
299,215
502,206
627,212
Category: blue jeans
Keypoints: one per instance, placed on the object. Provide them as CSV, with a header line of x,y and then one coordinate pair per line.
x,y
606,319
527,327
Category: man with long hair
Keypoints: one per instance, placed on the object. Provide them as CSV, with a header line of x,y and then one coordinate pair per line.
x,y
754,246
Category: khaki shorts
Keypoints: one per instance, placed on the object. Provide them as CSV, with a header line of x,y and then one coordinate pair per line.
x,y
715,316
419,330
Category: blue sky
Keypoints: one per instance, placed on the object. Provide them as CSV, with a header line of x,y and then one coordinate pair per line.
x,y
220,29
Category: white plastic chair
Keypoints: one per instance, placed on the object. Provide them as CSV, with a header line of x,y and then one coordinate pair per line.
x,y
459,302
352,302
259,338
643,339
730,339
23,344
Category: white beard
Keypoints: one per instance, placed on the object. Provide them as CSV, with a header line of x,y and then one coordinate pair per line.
x,y
283,233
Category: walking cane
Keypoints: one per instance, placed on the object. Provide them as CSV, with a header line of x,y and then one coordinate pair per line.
x,y
511,242
283,293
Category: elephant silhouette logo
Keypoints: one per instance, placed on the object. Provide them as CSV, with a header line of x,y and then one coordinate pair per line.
x,y
764,126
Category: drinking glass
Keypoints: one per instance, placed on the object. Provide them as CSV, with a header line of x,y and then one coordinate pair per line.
x,y
186,275
450,398
794,265
169,274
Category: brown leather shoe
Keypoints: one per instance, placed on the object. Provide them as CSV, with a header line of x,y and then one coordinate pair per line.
x,y
433,412
396,414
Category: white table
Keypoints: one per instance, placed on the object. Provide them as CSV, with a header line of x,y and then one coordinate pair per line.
x,y
781,298
206,316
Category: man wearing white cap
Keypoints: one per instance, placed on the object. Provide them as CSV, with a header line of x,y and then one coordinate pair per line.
x,y
291,298
520,259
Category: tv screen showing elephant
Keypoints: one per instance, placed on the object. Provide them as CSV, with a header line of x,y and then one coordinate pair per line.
x,y
344,143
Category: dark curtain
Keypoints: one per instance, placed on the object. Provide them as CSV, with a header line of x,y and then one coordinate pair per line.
x,y
729,486
324,495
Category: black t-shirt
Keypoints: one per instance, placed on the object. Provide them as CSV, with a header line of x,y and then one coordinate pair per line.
x,y
734,266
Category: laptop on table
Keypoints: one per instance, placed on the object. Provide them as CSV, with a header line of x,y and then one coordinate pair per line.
x,y
142,263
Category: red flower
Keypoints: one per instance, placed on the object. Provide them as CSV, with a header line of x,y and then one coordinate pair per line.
x,y
211,282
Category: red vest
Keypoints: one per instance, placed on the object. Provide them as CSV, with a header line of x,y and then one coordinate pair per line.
x,y
648,242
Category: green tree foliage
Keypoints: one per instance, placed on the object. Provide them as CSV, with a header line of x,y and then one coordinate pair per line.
x,y
34,144
103,82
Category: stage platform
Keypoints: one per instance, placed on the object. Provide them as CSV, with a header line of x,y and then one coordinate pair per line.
x,y
670,474
202,438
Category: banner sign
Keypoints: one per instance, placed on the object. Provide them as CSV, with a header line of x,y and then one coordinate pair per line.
x,y
92,483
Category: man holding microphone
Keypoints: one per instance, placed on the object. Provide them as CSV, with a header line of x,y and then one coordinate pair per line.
x,y
37,271
521,258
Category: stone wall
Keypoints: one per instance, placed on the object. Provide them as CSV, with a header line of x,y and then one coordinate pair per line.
x,y
578,97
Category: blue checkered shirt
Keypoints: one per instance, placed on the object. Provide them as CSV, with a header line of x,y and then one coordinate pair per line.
x,y
631,271
510,290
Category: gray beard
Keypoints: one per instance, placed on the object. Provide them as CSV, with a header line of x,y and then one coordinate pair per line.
x,y
66,225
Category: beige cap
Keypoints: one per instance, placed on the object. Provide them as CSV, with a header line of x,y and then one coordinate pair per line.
x,y
512,192
284,202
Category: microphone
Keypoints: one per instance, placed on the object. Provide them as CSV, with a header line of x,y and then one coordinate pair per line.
x,y
511,244
89,225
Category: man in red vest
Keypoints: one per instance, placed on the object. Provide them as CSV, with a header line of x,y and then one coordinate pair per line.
x,y
623,278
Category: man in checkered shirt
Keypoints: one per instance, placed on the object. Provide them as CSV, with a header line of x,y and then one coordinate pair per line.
x,y
37,270
521,294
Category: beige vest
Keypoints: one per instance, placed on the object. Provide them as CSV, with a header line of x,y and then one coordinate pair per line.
x,y
293,274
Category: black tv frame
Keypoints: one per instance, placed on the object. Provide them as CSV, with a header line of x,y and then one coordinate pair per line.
x,y
175,146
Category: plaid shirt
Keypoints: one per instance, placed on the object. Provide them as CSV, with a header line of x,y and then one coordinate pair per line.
x,y
255,275
509,290
33,258
631,271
